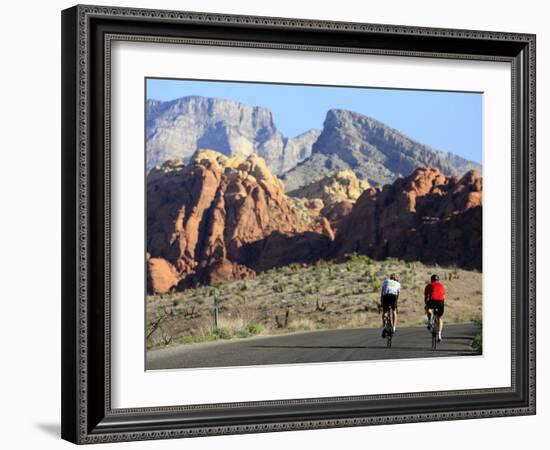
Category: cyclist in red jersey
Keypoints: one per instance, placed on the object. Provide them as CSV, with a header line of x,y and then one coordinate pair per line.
x,y
434,299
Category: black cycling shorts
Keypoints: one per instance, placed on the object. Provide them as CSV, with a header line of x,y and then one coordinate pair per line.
x,y
438,307
389,301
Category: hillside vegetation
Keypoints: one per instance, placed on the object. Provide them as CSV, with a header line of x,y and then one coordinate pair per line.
x,y
299,297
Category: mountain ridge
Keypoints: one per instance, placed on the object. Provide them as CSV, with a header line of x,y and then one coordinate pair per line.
x,y
348,140
179,127
376,152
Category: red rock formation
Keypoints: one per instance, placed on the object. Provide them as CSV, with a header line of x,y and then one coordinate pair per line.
x,y
161,275
223,218
337,213
426,216
326,228
211,219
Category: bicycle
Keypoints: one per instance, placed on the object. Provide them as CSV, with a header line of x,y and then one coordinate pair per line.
x,y
389,327
434,325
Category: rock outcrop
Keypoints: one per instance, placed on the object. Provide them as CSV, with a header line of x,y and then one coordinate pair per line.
x,y
161,275
426,216
220,218
342,186
376,153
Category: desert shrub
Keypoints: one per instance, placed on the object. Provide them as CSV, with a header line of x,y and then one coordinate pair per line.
x,y
359,260
210,291
221,333
477,343
476,320
255,328
294,267
316,287
242,333
278,287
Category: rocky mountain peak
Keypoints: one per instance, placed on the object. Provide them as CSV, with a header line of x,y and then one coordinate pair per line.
x,y
177,129
374,151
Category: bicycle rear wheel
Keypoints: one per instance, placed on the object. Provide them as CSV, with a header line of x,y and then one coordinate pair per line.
x,y
435,326
389,328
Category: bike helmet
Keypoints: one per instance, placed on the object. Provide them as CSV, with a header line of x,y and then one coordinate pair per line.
x,y
394,276
435,277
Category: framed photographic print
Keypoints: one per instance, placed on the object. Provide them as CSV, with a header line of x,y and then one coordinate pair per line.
x,y
264,217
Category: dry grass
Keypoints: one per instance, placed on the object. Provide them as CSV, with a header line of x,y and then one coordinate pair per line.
x,y
320,296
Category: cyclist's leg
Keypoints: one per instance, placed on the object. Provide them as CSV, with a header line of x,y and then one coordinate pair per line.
x,y
384,316
394,315
441,312
428,313
439,315
384,311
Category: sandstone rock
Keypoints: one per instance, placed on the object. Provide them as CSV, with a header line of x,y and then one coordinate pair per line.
x,y
211,219
222,270
332,189
310,208
426,216
336,214
161,276
326,229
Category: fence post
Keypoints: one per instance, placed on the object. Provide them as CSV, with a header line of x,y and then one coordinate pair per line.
x,y
216,312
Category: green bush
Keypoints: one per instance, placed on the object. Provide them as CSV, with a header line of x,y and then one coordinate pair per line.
x,y
255,328
359,260
294,267
221,333
477,343
250,330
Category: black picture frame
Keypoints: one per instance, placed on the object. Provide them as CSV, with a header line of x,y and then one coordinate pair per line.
x,y
87,415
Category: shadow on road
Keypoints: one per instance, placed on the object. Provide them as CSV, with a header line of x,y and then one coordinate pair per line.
x,y
459,352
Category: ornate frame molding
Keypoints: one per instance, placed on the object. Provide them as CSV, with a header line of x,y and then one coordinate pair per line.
x,y
87,421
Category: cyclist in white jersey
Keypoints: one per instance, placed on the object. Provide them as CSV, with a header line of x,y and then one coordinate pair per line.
x,y
388,298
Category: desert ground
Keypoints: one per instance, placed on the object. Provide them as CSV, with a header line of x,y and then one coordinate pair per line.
x,y
322,296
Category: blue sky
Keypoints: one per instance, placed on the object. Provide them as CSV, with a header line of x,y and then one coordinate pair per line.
x,y
449,121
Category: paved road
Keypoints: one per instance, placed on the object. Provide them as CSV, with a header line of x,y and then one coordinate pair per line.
x,y
316,346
